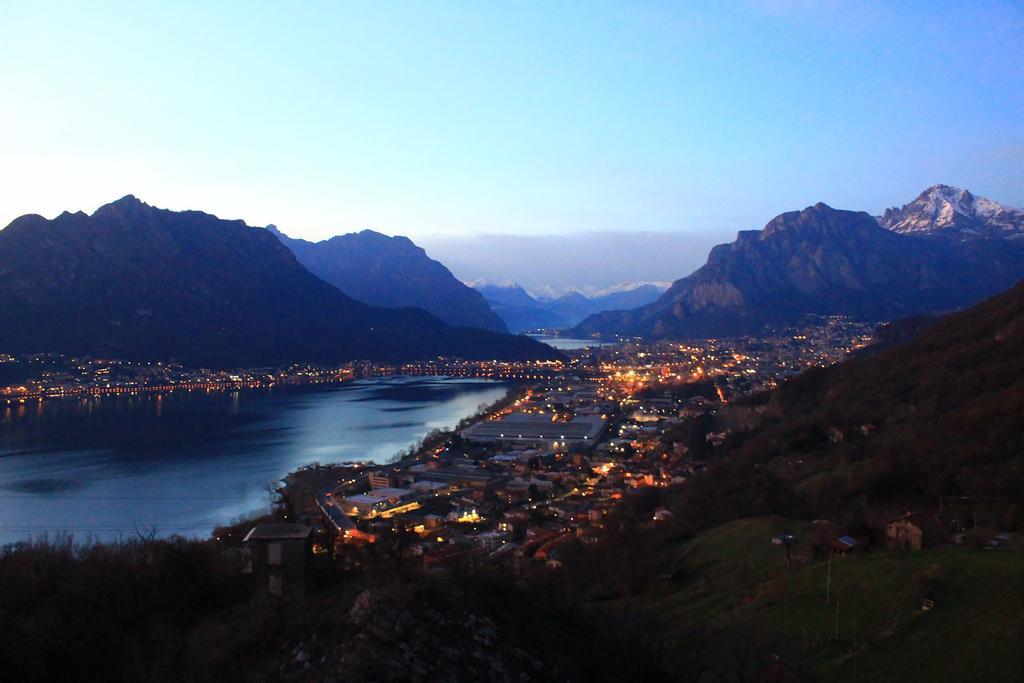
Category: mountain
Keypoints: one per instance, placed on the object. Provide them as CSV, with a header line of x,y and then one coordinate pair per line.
x,y
520,311
523,312
574,307
395,273
138,282
820,261
951,210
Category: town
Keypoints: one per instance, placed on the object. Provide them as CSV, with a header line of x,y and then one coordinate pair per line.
x,y
739,364
544,465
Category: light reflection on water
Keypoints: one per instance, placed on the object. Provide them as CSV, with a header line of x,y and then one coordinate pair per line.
x,y
184,463
567,343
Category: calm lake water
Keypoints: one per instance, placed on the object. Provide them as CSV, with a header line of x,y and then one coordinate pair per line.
x,y
184,463
567,343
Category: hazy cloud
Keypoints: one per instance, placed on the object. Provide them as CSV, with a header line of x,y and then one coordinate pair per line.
x,y
589,261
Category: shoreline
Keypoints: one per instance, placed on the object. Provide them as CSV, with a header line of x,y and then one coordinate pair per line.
x,y
263,507
491,370
301,487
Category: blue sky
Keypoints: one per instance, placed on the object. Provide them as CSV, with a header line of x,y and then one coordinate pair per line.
x,y
444,121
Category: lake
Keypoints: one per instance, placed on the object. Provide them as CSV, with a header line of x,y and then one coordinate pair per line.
x,y
186,462
568,343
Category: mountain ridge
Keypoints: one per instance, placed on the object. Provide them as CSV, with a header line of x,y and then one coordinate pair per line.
x,y
393,272
820,261
944,208
523,311
143,283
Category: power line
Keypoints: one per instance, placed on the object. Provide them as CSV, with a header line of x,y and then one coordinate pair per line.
x,y
93,527
68,529
129,498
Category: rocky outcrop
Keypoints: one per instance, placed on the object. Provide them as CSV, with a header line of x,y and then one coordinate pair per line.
x,y
392,634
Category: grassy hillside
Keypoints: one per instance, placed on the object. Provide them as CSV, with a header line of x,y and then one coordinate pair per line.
x,y
875,436
732,579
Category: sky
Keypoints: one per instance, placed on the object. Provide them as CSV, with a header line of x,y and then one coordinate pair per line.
x,y
594,128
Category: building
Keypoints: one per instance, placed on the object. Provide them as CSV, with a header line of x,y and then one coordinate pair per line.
x,y
521,485
915,530
454,476
382,479
844,545
662,515
281,558
538,430
382,502
492,540
783,539
429,487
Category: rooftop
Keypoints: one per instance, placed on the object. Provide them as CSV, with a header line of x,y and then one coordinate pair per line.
x,y
278,532
529,426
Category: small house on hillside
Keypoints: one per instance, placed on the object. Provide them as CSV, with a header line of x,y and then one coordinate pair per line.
x,y
915,530
844,545
662,514
281,558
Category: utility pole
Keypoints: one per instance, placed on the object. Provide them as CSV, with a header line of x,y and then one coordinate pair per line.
x,y
856,651
837,617
828,577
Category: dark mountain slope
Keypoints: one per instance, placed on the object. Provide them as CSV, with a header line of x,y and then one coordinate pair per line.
x,y
820,261
393,272
942,415
144,283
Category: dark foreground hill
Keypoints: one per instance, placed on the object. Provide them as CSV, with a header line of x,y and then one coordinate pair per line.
x,y
393,272
138,282
822,261
939,416
181,610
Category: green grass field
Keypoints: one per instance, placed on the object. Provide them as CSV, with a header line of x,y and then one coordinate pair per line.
x,y
732,577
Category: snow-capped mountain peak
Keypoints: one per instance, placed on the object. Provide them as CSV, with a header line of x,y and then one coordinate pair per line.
x,y
943,207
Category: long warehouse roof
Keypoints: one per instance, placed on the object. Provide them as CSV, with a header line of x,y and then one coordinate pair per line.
x,y
526,426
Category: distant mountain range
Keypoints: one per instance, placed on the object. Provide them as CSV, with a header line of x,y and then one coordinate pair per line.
x,y
393,272
522,311
138,282
945,250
